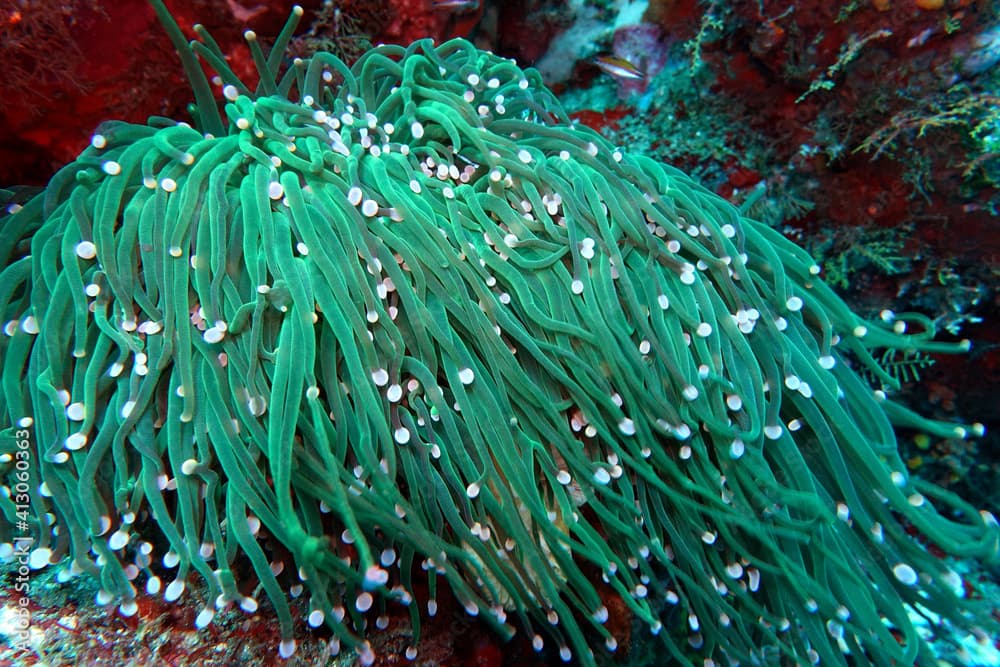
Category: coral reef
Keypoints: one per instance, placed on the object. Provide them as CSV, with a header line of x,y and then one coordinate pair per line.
x,y
69,66
377,330
854,129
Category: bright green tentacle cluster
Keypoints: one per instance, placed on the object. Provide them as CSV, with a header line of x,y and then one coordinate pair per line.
x,y
405,314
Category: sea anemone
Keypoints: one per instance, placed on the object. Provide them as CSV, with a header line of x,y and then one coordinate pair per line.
x,y
406,314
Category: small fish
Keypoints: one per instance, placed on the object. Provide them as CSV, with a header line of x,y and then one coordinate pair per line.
x,y
619,67
455,5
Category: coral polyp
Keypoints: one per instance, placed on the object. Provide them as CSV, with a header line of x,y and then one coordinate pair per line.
x,y
404,320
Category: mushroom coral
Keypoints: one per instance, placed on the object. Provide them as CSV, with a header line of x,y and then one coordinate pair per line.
x,y
363,320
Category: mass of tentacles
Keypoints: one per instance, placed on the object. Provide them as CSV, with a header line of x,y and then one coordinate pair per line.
x,y
379,329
